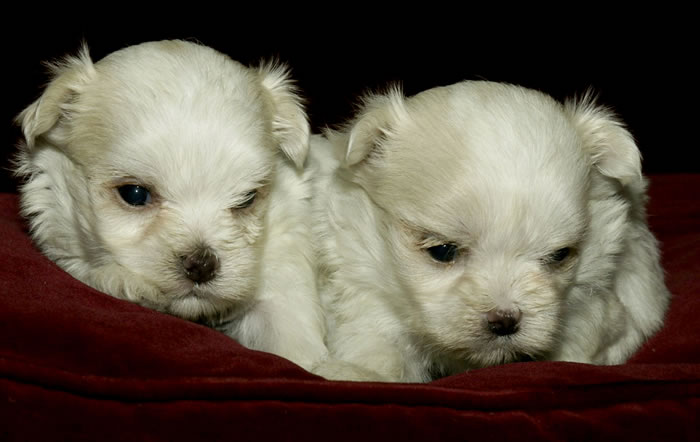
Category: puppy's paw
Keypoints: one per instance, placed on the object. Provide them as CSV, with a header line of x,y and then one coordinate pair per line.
x,y
335,369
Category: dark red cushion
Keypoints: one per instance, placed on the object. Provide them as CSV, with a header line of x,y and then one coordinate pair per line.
x,y
76,364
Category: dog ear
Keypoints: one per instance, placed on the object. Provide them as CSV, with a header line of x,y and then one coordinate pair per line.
x,y
606,140
56,103
374,124
290,126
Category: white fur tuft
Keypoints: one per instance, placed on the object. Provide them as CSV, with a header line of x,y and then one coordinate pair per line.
x,y
289,123
374,123
70,75
611,147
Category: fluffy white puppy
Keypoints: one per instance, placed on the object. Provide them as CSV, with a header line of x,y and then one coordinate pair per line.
x,y
169,175
481,224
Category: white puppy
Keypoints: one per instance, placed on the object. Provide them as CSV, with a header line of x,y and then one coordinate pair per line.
x,y
170,175
481,224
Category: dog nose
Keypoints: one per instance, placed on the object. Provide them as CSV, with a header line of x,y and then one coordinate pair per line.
x,y
200,266
503,322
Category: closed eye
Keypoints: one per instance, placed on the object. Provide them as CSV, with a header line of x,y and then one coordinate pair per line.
x,y
559,256
248,200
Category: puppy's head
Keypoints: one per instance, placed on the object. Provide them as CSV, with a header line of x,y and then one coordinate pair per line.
x,y
148,174
485,191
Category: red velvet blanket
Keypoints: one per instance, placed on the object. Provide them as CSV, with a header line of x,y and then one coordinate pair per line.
x,y
76,364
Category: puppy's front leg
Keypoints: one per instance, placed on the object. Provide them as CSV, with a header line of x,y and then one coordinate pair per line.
x,y
286,317
279,326
371,356
335,369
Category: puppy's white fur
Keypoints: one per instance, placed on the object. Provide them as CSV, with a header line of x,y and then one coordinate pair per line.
x,y
508,176
200,132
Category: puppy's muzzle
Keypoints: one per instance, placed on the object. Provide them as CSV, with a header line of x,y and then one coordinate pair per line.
x,y
201,265
503,322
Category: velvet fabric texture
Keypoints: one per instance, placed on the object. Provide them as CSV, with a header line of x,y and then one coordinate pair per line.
x,y
76,364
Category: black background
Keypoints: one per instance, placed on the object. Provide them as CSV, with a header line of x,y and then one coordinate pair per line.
x,y
645,71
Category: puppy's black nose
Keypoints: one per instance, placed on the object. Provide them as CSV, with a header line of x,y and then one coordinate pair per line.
x,y
503,322
200,266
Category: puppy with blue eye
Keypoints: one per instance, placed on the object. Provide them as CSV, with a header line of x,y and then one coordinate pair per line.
x,y
481,224
169,175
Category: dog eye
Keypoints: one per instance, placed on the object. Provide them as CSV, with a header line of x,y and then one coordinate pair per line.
x,y
248,200
443,252
135,195
559,256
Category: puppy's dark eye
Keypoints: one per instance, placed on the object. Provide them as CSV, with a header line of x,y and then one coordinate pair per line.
x,y
443,252
135,195
248,200
560,255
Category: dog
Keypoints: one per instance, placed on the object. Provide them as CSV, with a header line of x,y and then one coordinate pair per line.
x,y
480,224
171,176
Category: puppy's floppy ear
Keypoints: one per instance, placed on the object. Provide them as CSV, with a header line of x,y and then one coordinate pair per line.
x,y
374,123
605,139
56,103
289,124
